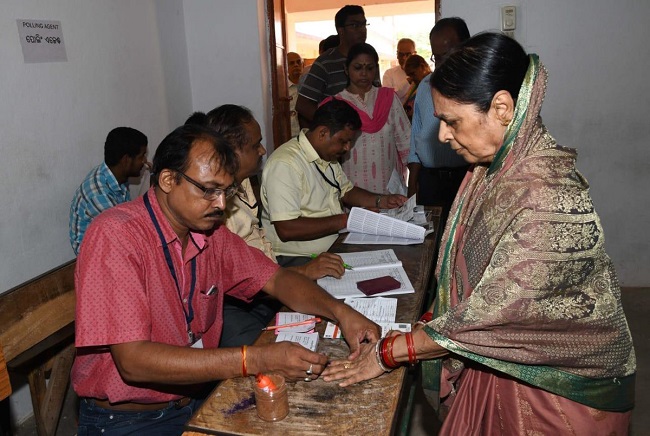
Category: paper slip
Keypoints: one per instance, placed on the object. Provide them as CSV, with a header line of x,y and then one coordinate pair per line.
x,y
367,265
332,331
307,340
282,318
395,326
378,309
405,212
396,184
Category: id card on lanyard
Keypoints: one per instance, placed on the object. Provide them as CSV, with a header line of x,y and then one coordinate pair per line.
x,y
189,312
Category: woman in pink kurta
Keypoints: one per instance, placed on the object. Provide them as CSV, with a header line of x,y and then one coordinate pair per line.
x,y
383,145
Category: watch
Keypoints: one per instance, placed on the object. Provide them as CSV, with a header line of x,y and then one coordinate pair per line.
x,y
378,201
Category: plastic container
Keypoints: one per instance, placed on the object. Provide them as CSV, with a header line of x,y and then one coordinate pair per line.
x,y
271,397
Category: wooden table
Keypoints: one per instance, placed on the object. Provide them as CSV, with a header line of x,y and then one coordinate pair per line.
x,y
318,407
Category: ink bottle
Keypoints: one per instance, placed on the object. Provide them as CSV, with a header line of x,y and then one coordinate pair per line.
x,y
271,397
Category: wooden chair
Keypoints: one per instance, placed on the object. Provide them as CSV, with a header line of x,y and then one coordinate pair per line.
x,y
37,338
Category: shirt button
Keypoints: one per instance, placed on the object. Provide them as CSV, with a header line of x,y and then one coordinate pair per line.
x,y
184,300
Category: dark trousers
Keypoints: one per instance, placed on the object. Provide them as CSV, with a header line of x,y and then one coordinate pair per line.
x,y
243,322
94,420
439,186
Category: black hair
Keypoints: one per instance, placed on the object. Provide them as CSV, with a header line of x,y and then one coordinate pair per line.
x,y
331,41
361,48
346,11
457,24
480,67
198,119
173,152
229,120
123,141
336,115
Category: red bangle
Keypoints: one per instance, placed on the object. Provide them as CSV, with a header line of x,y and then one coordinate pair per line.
x,y
410,347
426,317
244,369
387,353
390,360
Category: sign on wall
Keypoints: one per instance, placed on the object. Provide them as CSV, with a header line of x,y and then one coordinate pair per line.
x,y
42,41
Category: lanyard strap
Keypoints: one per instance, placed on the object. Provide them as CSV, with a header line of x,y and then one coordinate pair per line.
x,y
189,313
334,184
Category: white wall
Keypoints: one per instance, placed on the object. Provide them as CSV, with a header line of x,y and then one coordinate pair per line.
x,y
54,118
228,57
597,55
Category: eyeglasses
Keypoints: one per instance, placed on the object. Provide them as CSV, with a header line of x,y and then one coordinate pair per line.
x,y
357,25
404,54
212,194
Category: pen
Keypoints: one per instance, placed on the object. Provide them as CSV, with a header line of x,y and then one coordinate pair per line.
x,y
292,324
345,265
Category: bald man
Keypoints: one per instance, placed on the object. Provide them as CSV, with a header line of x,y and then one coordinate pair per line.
x,y
396,77
294,67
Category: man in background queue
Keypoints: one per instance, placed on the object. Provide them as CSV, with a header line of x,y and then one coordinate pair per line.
x,y
435,170
149,291
327,74
396,76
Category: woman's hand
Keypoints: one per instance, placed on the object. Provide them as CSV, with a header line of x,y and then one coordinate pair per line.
x,y
364,367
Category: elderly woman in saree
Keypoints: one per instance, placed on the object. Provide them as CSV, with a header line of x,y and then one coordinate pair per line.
x,y
527,334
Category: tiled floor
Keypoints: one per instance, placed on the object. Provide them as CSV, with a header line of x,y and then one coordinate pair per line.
x,y
636,302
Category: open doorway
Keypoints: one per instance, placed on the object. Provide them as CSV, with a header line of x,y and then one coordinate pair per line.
x,y
298,26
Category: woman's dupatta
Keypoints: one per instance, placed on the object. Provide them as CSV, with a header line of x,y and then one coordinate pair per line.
x,y
439,375
379,114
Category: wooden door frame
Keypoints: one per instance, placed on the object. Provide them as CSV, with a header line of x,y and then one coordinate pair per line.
x,y
279,103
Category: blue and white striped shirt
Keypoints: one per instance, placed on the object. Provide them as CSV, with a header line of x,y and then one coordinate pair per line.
x,y
426,149
99,191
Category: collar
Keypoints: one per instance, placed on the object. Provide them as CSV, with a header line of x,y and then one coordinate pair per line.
x,y
111,181
198,239
309,151
311,155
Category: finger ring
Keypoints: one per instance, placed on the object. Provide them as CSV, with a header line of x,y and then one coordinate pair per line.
x,y
347,365
307,379
309,371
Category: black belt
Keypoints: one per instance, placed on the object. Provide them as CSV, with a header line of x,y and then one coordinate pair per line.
x,y
444,172
141,407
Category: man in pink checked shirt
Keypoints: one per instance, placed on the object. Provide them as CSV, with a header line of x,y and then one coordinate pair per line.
x,y
150,284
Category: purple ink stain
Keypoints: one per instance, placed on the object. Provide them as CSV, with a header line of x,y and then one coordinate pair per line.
x,y
244,404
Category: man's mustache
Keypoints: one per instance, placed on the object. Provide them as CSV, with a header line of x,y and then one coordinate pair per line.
x,y
217,213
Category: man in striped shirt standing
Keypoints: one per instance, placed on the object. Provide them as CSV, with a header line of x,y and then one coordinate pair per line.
x,y
106,185
327,74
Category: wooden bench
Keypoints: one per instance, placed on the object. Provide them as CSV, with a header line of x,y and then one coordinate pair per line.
x,y
37,338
